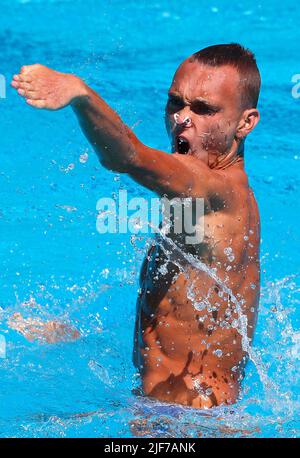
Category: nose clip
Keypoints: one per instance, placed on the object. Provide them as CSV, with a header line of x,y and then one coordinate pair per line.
x,y
187,122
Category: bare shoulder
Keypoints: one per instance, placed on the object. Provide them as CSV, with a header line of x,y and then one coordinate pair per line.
x,y
216,182
234,205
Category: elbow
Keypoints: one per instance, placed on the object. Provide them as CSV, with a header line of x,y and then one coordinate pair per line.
x,y
121,157
109,165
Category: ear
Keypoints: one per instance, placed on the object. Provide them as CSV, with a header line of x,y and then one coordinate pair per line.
x,y
248,121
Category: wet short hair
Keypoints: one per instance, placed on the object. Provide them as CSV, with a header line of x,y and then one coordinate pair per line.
x,y
243,60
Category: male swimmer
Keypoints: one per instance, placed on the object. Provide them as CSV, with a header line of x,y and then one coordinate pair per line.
x,y
185,354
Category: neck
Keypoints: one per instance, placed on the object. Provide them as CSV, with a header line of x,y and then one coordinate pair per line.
x,y
234,156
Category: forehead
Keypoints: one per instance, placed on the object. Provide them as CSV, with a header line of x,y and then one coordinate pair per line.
x,y
215,84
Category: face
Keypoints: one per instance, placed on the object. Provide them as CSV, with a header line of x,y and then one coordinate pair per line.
x,y
203,109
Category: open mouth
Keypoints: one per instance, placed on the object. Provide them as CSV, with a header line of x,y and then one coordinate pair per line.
x,y
183,145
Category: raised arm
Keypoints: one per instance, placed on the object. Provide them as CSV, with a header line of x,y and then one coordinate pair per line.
x,y
120,150
116,145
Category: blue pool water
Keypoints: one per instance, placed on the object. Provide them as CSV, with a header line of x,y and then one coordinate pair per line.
x,y
54,264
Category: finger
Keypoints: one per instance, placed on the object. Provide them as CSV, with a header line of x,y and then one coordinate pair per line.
x,y
25,78
25,86
27,68
29,94
21,92
36,103
32,95
24,69
15,84
22,78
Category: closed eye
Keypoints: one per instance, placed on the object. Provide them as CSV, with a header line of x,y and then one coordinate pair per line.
x,y
203,108
175,104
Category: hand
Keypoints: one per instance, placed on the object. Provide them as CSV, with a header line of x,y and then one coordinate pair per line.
x,y
43,331
46,88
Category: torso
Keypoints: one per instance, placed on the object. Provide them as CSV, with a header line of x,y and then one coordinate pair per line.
x,y
185,345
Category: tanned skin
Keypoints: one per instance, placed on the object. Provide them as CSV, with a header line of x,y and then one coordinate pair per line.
x,y
185,353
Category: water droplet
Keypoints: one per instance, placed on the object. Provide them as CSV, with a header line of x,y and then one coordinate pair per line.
x,y
218,352
228,250
163,270
83,158
200,306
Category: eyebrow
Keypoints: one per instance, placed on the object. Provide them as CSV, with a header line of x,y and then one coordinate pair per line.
x,y
205,102
174,95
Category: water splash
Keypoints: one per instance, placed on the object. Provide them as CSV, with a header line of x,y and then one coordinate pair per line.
x,y
242,324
